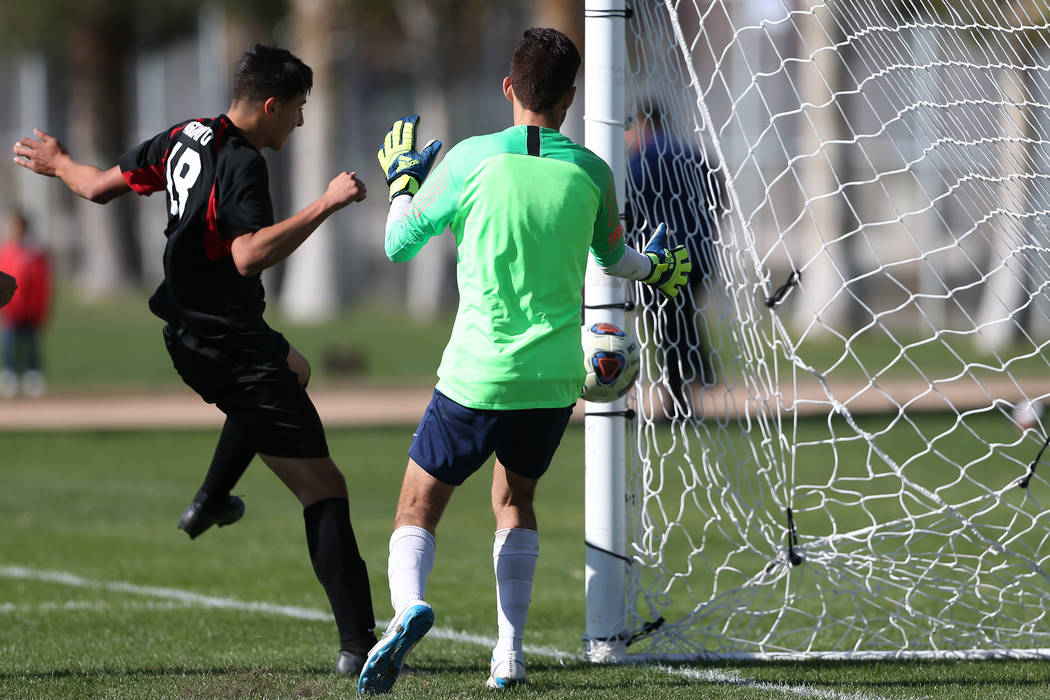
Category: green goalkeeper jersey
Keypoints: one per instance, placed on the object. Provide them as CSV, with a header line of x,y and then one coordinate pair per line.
x,y
525,205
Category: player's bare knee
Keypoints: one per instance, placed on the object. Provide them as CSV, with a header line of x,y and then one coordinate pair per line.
x,y
300,365
420,509
512,500
426,518
304,375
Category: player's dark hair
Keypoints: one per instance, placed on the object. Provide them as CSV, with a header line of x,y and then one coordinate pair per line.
x,y
543,68
269,71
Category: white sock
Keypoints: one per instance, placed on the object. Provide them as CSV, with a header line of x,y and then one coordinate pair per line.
x,y
514,555
411,561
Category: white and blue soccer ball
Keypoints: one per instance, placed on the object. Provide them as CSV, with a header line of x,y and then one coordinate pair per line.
x,y
610,356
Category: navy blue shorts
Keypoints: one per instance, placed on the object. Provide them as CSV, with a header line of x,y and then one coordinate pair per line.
x,y
453,441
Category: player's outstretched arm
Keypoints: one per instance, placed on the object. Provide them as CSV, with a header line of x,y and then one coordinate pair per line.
x,y
8,286
666,268
671,265
254,251
47,156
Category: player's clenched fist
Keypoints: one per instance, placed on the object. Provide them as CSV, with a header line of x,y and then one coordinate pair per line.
x,y
345,188
41,155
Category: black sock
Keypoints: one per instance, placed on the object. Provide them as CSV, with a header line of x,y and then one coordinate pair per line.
x,y
341,570
232,456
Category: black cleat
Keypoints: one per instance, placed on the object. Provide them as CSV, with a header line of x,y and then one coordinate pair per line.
x,y
197,518
349,664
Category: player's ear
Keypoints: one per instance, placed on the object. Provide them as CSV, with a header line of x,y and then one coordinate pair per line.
x,y
269,106
508,90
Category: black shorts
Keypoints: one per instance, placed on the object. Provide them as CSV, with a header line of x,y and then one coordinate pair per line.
x,y
248,378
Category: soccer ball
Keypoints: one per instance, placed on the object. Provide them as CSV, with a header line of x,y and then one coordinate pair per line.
x,y
610,356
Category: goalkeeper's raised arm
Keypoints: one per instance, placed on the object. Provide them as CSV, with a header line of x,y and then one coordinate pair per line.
x,y
410,226
660,265
405,169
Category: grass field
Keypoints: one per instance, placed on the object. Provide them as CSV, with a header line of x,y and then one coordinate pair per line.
x,y
115,346
101,596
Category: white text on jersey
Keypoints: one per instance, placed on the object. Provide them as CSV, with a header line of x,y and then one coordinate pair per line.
x,y
199,133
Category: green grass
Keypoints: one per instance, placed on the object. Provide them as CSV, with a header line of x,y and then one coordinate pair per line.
x,y
116,345
103,506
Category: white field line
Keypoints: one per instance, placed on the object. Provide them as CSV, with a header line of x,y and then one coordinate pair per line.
x,y
93,605
734,678
182,598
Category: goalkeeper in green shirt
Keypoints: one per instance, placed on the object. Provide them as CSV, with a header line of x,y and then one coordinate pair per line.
x,y
525,205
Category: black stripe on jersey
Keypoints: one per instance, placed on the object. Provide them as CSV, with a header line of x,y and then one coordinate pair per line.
x,y
532,140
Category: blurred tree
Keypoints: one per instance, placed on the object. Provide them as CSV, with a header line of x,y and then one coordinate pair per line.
x,y
424,42
434,28
1013,274
564,15
433,44
1016,30
97,40
310,290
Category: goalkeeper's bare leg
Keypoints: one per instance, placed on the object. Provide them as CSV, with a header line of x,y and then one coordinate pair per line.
x,y
213,504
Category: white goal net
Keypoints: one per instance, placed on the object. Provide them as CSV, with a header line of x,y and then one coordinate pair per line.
x,y
833,454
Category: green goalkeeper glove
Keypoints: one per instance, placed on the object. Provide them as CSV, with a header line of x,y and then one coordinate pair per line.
x,y
671,266
406,168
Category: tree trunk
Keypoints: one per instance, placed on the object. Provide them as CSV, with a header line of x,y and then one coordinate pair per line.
x,y
106,249
567,17
820,282
35,193
1004,290
430,30
310,291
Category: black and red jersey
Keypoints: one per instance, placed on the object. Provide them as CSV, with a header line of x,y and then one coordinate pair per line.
x,y
216,183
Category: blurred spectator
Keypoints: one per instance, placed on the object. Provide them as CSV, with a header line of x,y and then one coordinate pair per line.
x,y
7,288
669,181
27,311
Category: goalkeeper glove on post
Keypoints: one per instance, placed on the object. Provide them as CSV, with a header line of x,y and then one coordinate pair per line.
x,y
405,167
671,266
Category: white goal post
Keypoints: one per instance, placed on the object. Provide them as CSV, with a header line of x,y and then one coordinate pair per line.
x,y
836,445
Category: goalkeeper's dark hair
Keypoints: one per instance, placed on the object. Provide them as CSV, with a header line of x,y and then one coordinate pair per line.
x,y
269,71
543,68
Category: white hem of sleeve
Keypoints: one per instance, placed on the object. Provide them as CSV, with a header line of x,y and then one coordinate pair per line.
x,y
398,209
632,265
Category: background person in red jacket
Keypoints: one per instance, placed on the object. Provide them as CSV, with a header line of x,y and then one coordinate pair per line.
x,y
24,316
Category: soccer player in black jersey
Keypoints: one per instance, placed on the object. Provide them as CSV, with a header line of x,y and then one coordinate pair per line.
x,y
221,235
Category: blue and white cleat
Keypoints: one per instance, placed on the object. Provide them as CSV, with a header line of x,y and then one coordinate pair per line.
x,y
383,664
508,671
